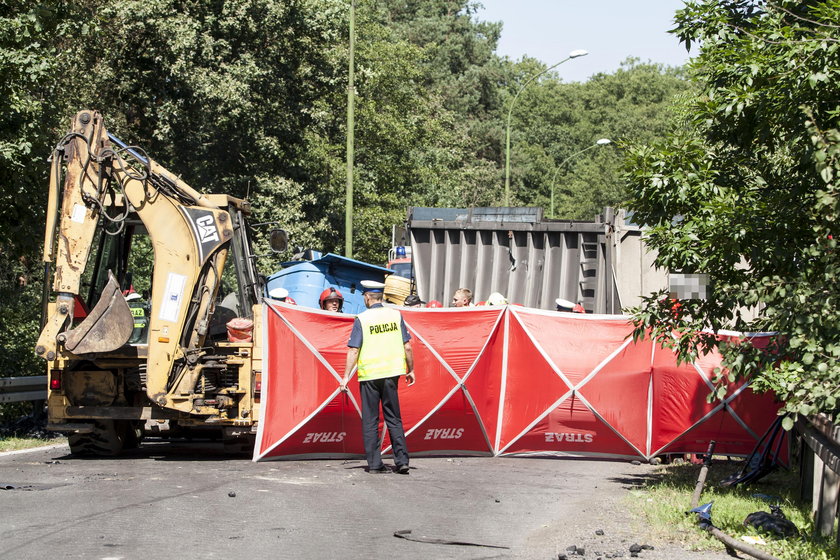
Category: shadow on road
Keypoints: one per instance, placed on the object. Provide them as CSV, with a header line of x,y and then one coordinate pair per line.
x,y
163,450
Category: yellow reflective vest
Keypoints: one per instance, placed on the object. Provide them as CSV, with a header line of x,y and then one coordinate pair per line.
x,y
141,322
382,353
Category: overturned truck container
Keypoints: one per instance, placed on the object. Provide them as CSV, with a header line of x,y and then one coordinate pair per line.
x,y
602,264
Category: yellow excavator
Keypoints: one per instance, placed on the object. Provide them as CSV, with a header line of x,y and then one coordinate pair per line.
x,y
120,226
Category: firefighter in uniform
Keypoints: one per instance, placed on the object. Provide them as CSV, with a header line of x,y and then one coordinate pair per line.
x,y
379,347
331,300
141,320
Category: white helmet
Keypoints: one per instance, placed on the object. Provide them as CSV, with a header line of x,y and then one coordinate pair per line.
x,y
497,299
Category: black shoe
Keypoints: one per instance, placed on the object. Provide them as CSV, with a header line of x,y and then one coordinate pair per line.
x,y
402,469
381,470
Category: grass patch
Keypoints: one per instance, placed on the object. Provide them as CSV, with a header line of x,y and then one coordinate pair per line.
x,y
664,498
16,443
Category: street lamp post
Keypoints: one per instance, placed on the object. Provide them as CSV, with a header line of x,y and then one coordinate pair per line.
x,y
601,142
573,54
348,202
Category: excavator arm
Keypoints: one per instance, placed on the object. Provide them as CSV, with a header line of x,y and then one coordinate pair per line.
x,y
190,235
82,198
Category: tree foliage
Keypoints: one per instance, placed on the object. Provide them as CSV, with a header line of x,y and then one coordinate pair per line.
x,y
248,97
554,122
33,37
746,190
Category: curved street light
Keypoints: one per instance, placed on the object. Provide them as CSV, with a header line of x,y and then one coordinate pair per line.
x,y
601,142
574,54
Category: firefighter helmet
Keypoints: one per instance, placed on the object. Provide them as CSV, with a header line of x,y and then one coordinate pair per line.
x,y
328,294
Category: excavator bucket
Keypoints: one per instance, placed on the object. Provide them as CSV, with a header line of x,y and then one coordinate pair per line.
x,y
107,327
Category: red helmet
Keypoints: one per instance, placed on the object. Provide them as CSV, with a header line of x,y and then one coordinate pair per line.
x,y
434,303
331,293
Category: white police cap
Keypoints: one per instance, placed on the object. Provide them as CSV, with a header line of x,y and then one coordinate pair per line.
x,y
278,293
564,303
372,286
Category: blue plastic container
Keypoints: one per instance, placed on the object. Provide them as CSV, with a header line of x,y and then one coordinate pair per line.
x,y
305,280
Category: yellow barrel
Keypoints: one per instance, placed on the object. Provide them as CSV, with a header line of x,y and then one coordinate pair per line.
x,y
396,289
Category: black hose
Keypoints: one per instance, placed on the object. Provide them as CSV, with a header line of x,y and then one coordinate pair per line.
x,y
701,480
729,542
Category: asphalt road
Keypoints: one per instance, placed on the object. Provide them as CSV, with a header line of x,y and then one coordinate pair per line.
x,y
177,501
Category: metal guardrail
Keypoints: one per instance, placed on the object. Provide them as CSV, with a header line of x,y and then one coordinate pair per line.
x,y
820,470
21,389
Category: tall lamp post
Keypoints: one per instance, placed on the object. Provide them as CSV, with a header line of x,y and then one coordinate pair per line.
x,y
348,203
573,54
601,142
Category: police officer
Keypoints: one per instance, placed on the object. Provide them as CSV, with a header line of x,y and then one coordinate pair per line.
x,y
379,347
280,294
568,306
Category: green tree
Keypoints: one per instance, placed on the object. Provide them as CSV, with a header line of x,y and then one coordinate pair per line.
x,y
461,73
32,59
248,97
554,120
745,190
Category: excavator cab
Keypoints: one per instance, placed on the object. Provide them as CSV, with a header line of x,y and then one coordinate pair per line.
x,y
119,268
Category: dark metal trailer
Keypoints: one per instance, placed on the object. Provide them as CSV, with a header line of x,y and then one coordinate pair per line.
x,y
529,259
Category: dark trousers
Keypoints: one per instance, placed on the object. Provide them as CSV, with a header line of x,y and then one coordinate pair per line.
x,y
384,391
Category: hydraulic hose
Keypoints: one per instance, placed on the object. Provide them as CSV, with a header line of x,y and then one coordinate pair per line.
x,y
701,480
740,546
706,523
